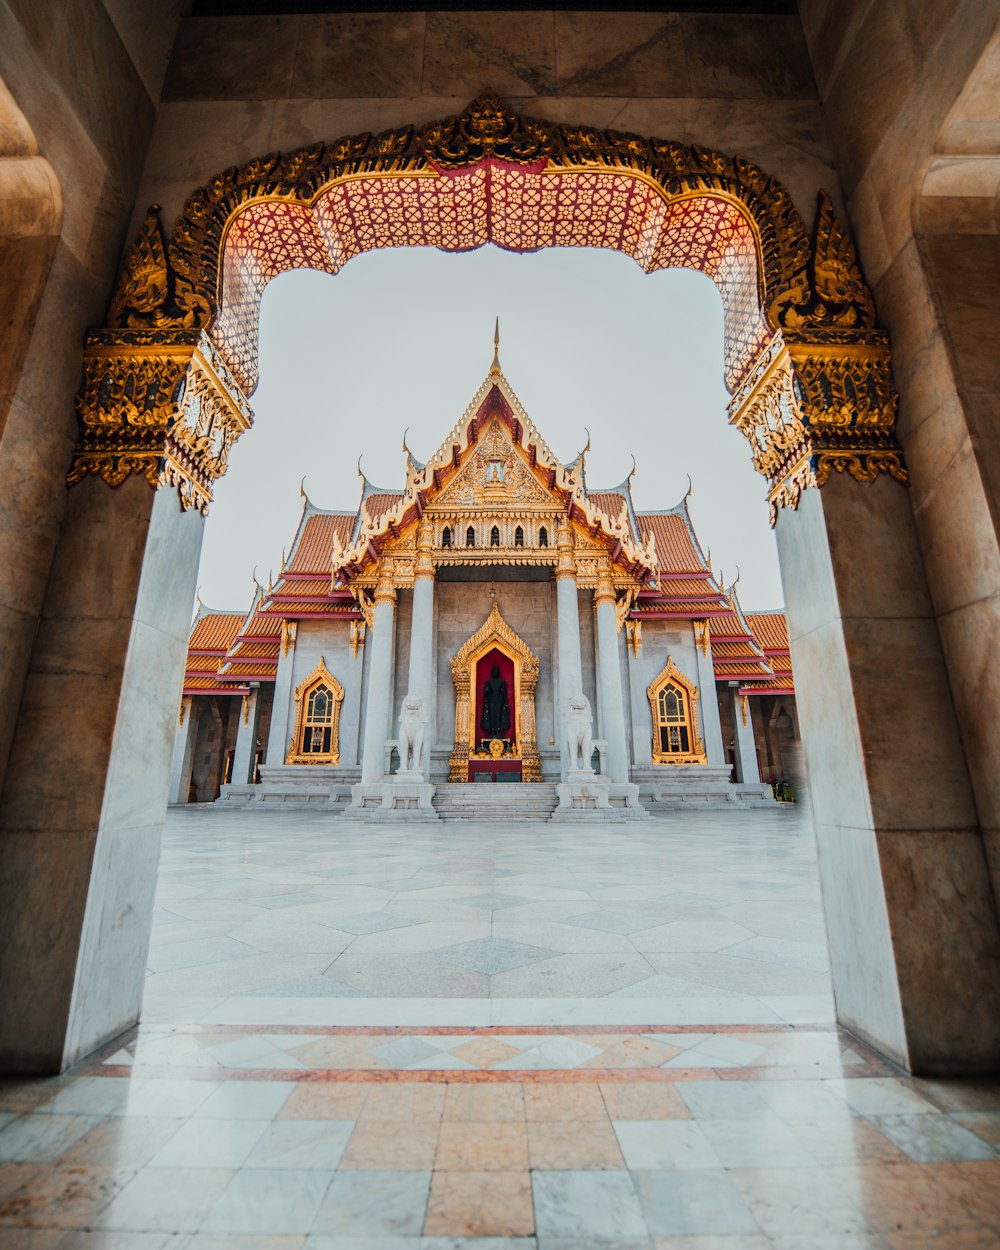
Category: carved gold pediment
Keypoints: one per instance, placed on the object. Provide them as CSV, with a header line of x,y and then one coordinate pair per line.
x,y
495,476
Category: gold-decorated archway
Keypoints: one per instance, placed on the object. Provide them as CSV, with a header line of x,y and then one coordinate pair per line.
x,y
166,382
495,632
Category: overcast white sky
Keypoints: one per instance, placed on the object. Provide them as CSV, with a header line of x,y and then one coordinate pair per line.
x,y
403,337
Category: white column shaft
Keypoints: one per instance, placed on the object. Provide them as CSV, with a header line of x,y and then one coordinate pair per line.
x,y
245,753
380,640
421,675
746,748
610,681
278,736
183,757
570,663
708,711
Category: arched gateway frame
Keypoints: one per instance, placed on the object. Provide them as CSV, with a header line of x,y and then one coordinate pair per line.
x,y
165,395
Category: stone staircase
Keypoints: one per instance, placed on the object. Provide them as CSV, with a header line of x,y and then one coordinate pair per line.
x,y
497,801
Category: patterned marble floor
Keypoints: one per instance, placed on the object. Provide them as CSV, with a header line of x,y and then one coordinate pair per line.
x,y
301,918
256,1109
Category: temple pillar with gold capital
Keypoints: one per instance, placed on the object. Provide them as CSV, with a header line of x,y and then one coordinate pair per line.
x,y
420,681
567,630
381,646
610,680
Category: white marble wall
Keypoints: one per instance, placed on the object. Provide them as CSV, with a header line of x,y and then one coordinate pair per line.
x,y
330,641
660,640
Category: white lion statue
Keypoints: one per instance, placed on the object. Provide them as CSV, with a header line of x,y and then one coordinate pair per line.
x,y
579,738
411,734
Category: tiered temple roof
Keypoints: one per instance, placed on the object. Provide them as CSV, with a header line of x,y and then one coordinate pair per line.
x,y
770,631
213,632
660,550
253,655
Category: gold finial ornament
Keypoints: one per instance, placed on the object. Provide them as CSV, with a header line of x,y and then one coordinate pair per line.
x,y
495,366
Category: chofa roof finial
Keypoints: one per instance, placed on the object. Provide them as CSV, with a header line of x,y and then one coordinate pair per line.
x,y
495,366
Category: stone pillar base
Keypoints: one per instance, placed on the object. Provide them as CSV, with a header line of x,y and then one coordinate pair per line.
x,y
395,798
587,796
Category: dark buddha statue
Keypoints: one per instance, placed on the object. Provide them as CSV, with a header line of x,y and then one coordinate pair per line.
x,y
495,721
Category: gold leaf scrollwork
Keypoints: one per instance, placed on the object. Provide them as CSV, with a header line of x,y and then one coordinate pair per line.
x,y
487,127
161,404
830,293
820,407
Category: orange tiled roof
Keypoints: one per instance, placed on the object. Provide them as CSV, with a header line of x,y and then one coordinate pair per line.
x,y
215,631
675,550
314,549
610,502
195,683
254,650
236,669
381,502
770,629
291,588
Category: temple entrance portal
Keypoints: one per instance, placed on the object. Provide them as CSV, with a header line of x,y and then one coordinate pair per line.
x,y
483,749
166,394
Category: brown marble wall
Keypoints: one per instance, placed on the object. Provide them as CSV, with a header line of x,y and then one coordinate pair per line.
x,y
87,111
910,88
236,90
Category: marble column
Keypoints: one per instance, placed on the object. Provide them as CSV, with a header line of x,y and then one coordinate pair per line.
x,y
245,754
182,760
610,680
910,914
747,768
708,705
79,845
420,679
380,642
278,736
567,630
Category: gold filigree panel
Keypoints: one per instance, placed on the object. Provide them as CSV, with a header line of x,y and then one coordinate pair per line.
x,y
160,404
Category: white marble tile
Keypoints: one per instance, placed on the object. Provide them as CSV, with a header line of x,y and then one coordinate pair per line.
x,y
268,1200
663,1144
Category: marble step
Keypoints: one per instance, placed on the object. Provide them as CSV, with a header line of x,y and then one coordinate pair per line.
x,y
511,801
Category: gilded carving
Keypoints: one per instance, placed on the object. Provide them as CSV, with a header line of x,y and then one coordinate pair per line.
x,y
289,632
814,408
357,637
801,301
159,404
831,293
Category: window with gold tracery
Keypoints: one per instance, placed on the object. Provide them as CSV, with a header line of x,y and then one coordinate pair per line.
x,y
672,700
317,719
672,726
318,724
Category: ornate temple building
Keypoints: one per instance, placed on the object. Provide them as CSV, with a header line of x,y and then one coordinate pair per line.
x,y
495,620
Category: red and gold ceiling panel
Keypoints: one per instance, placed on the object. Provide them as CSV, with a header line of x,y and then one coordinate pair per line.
x,y
517,208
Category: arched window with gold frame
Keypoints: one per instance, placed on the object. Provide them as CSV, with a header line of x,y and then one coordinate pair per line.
x,y
673,702
316,737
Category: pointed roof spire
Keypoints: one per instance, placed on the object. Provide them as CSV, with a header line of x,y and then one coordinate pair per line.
x,y
495,366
